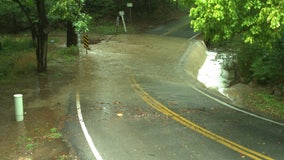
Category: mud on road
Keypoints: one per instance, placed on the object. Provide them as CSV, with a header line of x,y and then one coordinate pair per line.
x,y
48,96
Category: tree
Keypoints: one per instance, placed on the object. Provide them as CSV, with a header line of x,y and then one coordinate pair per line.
x,y
38,21
258,21
76,20
11,19
39,29
41,36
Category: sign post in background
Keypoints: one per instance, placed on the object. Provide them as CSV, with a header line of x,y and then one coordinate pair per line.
x,y
130,5
121,13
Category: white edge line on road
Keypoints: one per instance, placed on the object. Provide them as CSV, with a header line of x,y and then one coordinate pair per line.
x,y
223,103
235,108
85,130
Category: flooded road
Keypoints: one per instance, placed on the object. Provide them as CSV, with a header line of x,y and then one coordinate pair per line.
x,y
45,99
139,99
125,125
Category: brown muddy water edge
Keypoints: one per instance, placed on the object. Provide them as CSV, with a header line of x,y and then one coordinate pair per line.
x,y
39,136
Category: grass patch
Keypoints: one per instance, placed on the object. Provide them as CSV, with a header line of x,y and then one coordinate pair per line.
x,y
53,134
10,45
108,28
26,142
39,138
18,57
64,55
267,103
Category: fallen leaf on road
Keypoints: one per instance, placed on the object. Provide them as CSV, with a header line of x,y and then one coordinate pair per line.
x,y
116,102
119,114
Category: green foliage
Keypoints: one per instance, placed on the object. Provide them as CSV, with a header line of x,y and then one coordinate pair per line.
x,y
187,3
268,103
11,20
26,142
245,58
16,57
18,63
262,70
100,10
53,134
106,28
217,19
258,21
70,10
64,55
262,65
9,44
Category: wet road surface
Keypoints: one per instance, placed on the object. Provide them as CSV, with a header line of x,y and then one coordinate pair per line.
x,y
124,126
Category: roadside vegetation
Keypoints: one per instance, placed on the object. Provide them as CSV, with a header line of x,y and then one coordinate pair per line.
x,y
253,31
259,65
19,37
255,38
17,57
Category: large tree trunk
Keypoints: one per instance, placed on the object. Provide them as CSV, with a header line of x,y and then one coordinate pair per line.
x,y
72,38
41,37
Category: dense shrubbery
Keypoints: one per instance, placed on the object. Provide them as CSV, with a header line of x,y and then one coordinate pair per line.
x,y
262,65
255,62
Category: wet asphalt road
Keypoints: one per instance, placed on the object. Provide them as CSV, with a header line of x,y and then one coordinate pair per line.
x,y
124,127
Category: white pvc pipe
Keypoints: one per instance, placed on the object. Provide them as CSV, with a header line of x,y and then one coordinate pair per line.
x,y
19,111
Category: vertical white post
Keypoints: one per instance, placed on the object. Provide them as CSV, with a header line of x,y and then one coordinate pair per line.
x,y
19,111
123,23
121,13
79,43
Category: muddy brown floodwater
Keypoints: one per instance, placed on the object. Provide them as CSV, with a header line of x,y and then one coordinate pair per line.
x,y
46,100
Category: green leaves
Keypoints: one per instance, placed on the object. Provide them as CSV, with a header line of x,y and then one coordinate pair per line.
x,y
81,24
258,21
70,10
216,19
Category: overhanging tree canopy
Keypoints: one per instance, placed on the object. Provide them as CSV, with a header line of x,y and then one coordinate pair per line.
x,y
36,13
258,21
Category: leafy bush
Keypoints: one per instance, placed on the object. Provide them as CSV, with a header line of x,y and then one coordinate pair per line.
x,y
261,64
268,67
245,58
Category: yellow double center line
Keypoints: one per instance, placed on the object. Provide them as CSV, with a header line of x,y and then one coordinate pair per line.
x,y
232,145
